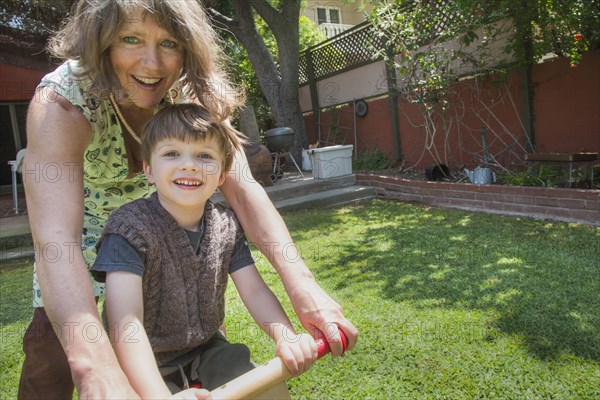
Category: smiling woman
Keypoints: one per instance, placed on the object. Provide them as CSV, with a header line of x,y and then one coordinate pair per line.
x,y
124,60
111,25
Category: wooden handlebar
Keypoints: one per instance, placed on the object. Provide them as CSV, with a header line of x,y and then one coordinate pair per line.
x,y
264,377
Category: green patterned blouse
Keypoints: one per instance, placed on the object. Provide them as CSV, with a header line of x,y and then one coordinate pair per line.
x,y
107,183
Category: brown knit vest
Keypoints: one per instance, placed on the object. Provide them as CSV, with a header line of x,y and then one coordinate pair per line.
x,y
184,293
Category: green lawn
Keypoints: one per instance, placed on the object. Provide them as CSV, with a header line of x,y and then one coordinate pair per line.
x,y
450,305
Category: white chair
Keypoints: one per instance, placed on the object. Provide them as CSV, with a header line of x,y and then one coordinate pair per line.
x,y
15,166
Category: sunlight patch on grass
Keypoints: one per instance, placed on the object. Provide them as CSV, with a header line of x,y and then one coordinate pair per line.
x,y
441,274
458,238
504,298
509,261
464,221
490,283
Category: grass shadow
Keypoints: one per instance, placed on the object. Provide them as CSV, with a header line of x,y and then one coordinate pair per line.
x,y
15,291
540,280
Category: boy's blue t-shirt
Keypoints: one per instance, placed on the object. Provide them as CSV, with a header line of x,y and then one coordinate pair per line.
x,y
116,254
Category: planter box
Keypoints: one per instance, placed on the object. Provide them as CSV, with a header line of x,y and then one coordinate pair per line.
x,y
558,204
331,162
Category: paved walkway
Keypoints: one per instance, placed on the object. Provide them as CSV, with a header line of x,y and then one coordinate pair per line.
x,y
7,205
292,192
12,224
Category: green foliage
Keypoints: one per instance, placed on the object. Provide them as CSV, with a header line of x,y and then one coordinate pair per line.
x,y
371,159
567,28
550,175
542,175
412,30
417,30
38,17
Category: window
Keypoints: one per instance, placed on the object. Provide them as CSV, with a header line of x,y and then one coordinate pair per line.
x,y
321,15
12,136
334,16
328,15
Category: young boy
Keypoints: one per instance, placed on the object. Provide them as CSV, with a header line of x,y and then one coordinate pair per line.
x,y
166,259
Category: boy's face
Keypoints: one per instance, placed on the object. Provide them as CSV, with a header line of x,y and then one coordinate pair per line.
x,y
186,174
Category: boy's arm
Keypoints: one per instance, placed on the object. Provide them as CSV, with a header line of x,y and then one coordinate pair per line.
x,y
298,352
125,310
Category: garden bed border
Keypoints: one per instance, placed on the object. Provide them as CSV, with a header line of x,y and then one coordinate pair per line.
x,y
558,204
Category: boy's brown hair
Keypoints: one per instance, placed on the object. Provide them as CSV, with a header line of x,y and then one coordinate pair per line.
x,y
188,122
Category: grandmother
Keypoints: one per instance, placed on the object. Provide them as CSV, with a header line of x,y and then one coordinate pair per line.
x,y
123,61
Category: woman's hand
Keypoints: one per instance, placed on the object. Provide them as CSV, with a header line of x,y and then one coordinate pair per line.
x,y
298,352
322,316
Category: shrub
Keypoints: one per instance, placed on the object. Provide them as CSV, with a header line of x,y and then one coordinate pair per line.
x,y
372,159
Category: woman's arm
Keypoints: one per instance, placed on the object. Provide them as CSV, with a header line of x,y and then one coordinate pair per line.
x,y
317,311
125,311
53,178
298,352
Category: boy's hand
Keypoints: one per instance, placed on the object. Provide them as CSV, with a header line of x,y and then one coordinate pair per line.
x,y
298,352
192,394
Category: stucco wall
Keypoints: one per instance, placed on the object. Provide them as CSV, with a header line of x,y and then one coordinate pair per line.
x,y
566,106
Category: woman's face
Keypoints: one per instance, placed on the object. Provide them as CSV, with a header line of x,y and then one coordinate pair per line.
x,y
146,59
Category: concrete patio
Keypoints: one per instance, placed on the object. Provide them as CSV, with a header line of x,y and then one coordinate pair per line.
x,y
292,192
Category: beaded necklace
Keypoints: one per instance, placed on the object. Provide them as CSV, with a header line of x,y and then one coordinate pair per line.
x,y
123,121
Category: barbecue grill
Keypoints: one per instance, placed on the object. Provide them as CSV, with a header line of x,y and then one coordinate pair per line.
x,y
279,142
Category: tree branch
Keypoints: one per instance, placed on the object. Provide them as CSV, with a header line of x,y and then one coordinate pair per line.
x,y
266,11
219,19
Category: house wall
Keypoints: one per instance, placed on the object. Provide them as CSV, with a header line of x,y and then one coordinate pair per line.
x,y
566,108
477,106
17,83
372,130
365,81
349,13
17,87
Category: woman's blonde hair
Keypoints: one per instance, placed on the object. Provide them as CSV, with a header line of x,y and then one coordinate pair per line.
x,y
189,122
90,31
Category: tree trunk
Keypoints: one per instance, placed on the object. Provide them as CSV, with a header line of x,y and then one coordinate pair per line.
x,y
279,86
248,125
284,25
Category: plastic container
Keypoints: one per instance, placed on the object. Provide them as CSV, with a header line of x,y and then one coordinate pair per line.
x,y
332,161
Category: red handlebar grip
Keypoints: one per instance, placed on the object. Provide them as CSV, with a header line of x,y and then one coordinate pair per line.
x,y
323,345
